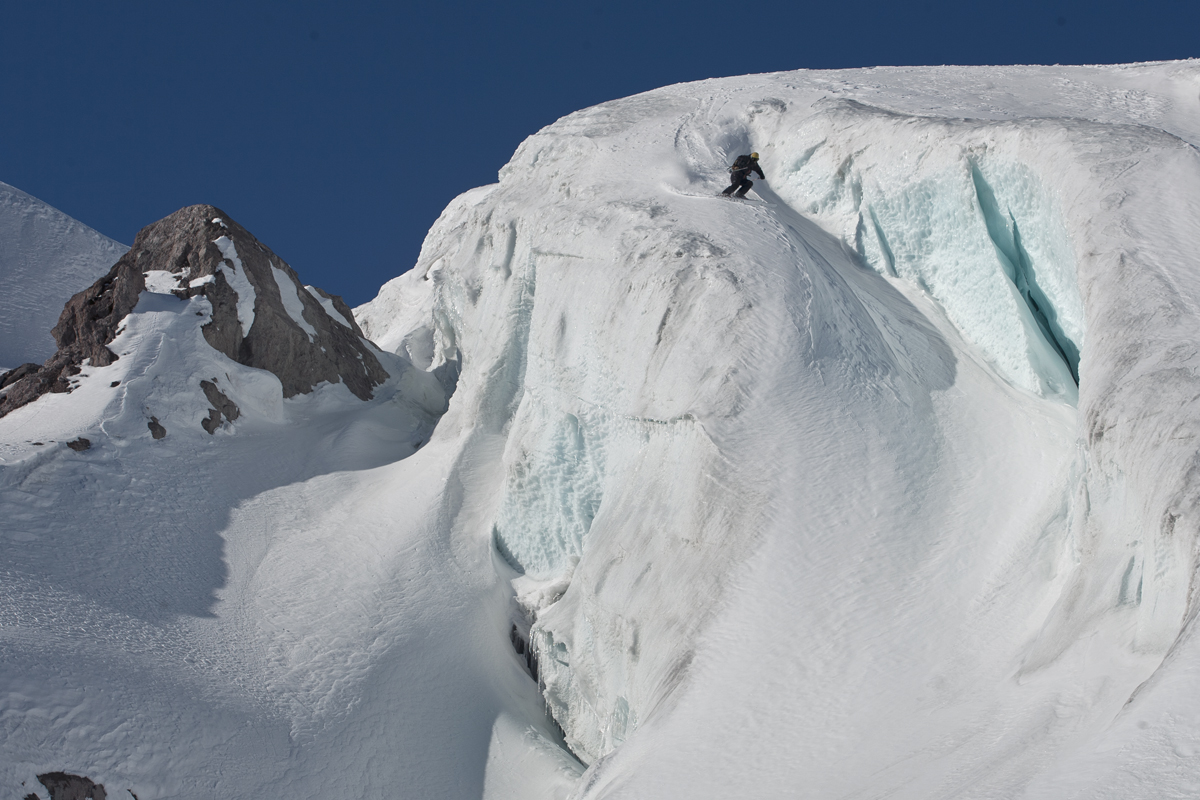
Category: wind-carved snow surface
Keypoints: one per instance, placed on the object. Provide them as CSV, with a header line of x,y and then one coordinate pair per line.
x,y
236,275
885,487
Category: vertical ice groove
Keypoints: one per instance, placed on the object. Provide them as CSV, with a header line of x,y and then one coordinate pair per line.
x,y
889,258
1126,597
1006,236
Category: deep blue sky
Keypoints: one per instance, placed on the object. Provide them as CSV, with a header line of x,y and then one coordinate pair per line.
x,y
337,132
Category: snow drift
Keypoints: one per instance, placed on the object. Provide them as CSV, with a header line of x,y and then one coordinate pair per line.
x,y
881,484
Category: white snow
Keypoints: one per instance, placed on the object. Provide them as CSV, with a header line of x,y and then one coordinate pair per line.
x,y
160,281
329,307
289,293
45,258
236,276
959,215
788,498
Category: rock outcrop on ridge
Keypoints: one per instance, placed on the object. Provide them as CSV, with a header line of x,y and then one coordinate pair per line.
x,y
45,257
63,786
262,315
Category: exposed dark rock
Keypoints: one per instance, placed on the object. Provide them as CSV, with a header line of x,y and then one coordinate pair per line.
x,y
87,324
340,305
14,375
222,407
156,430
188,244
80,444
212,421
275,341
71,787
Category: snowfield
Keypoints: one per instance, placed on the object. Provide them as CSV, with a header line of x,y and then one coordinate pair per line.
x,y
884,484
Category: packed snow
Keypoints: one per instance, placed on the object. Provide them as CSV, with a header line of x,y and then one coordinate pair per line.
x,y
289,293
328,305
235,274
883,487
45,257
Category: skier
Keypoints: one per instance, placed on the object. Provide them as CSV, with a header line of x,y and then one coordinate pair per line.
x,y
741,168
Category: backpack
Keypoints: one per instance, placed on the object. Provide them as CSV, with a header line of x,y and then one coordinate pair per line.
x,y
742,162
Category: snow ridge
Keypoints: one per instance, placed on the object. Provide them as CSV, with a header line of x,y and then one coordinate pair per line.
x,y
45,257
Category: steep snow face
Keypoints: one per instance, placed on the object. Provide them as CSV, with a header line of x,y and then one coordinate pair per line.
x,y
45,257
859,473
959,211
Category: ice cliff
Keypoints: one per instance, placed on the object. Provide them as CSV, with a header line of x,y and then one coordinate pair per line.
x,y
866,451
881,484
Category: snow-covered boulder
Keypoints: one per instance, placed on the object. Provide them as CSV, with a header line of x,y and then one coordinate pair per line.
x,y
45,257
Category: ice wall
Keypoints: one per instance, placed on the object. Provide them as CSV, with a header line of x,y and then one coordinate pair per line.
x,y
601,407
868,474
1001,223
957,210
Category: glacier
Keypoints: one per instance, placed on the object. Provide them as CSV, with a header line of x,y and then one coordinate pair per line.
x,y
885,485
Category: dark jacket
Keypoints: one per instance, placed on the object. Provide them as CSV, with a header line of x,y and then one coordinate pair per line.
x,y
743,166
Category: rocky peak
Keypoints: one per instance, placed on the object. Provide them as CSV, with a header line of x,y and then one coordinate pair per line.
x,y
262,315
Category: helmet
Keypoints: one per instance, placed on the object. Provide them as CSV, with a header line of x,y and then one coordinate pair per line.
x,y
754,155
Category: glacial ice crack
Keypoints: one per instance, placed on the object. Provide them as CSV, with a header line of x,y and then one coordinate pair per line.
x,y
1005,234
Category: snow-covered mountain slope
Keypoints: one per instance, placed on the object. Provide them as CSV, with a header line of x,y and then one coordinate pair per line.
x,y
45,257
881,485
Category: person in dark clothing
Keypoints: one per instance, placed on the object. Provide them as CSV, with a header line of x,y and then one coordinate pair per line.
x,y
740,170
